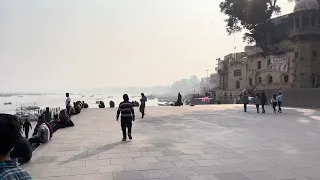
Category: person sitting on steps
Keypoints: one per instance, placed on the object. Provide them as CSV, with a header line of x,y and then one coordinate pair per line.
x,y
43,134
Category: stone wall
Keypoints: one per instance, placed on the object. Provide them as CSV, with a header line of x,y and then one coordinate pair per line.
x,y
305,98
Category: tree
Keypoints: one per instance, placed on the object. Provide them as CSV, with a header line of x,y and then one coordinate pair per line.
x,y
253,16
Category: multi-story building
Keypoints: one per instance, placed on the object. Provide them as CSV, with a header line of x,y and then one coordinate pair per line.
x,y
231,70
291,62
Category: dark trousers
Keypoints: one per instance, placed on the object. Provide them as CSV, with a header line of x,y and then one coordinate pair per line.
x,y
26,133
245,107
126,123
257,106
68,110
141,109
34,141
262,106
279,106
274,105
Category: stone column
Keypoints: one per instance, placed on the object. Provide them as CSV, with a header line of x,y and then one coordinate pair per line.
x,y
310,19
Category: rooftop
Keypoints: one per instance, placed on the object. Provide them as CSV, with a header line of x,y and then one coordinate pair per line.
x,y
216,142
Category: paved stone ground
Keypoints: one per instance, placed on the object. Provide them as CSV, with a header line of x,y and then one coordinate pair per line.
x,y
218,142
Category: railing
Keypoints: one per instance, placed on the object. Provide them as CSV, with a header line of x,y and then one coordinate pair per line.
x,y
222,71
307,30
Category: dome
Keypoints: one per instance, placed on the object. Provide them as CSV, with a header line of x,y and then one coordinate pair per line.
x,y
303,5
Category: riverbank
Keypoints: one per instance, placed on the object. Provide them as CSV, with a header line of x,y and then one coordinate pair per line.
x,y
211,142
58,100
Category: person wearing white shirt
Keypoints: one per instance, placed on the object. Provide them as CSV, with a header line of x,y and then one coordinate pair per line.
x,y
68,104
279,100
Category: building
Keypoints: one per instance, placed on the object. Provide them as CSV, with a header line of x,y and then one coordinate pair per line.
x,y
209,83
232,63
293,59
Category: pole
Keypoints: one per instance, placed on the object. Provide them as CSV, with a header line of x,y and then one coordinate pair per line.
x,y
207,79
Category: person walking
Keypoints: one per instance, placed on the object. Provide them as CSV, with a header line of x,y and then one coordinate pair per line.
x,y
279,101
257,102
127,116
143,101
263,101
245,101
68,104
274,103
26,126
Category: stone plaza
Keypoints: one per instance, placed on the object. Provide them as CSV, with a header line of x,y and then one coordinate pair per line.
x,y
213,142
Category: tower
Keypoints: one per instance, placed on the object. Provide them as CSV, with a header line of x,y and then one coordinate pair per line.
x,y
305,36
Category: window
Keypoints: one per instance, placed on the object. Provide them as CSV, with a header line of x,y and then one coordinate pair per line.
x,y
270,79
314,53
296,54
250,81
259,64
237,84
260,80
237,72
286,78
269,61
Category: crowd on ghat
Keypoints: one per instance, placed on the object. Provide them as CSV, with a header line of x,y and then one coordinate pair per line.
x,y
16,149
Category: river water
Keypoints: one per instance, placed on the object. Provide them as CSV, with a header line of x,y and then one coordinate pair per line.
x,y
54,101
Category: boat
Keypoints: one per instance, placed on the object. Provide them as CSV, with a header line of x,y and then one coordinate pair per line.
x,y
151,97
7,103
32,108
22,115
165,104
163,100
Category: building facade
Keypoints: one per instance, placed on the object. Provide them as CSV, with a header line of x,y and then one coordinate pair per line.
x,y
293,59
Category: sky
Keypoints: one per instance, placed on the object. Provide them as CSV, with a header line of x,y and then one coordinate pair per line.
x,y
46,45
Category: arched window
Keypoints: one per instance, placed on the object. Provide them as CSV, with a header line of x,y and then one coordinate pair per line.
x,y
284,78
305,21
315,80
269,79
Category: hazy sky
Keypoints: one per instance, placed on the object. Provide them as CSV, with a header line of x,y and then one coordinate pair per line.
x,y
59,44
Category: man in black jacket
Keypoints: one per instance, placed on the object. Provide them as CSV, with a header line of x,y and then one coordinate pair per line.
x,y
127,116
263,101
26,127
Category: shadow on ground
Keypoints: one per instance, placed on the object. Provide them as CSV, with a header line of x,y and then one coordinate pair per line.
x,y
91,152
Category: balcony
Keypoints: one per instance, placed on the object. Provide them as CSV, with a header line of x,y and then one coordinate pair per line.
x,y
304,31
222,71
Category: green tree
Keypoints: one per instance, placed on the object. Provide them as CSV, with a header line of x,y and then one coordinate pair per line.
x,y
253,16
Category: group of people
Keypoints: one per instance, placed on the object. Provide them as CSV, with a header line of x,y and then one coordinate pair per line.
x,y
16,149
261,100
126,111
